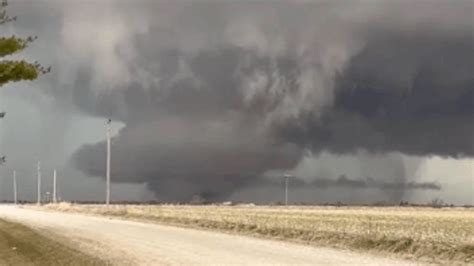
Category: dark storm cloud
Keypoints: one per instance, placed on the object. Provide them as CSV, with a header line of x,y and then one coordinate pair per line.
x,y
402,92
213,95
404,89
212,160
355,183
369,182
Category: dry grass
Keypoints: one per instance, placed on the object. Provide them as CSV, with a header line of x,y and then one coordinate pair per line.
x,y
437,235
20,245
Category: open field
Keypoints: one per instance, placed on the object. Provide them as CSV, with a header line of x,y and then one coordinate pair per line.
x,y
20,245
427,234
126,242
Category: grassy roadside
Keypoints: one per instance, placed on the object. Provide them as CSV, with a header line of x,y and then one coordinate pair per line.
x,y
20,245
434,235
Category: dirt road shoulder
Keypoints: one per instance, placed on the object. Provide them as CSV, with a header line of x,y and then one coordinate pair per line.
x,y
20,245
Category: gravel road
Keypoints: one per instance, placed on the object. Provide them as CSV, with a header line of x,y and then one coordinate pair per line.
x,y
134,243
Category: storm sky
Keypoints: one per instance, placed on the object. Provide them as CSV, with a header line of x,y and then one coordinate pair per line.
x,y
361,101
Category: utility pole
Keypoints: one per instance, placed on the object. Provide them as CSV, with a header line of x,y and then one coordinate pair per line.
x,y
54,186
3,158
15,192
38,201
107,200
287,177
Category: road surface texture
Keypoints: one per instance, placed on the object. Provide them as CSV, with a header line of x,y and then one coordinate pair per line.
x,y
134,243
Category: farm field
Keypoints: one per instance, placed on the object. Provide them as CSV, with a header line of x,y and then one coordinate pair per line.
x,y
425,234
20,245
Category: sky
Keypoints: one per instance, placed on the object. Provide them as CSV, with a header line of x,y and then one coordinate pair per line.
x,y
360,101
